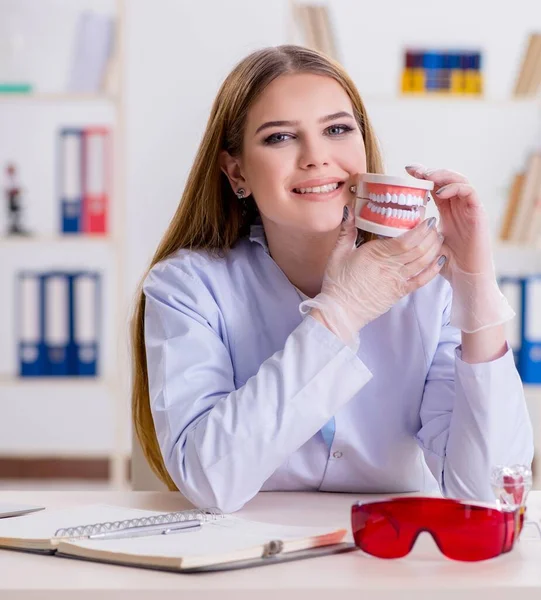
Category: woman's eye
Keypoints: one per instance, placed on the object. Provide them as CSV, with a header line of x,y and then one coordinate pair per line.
x,y
339,129
275,138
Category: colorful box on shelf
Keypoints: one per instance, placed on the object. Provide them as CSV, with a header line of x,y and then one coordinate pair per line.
x,y
84,179
16,88
443,72
58,323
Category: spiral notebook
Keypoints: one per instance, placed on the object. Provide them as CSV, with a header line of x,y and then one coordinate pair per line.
x,y
217,541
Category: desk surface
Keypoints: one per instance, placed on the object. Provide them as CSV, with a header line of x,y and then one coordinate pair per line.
x,y
425,573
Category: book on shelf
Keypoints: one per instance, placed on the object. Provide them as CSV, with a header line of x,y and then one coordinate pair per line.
x,y
522,221
186,541
512,205
528,79
316,27
92,51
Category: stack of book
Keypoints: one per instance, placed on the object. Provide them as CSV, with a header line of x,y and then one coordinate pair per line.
x,y
448,72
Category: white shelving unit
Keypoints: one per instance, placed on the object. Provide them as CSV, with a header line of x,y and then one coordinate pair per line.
x,y
103,399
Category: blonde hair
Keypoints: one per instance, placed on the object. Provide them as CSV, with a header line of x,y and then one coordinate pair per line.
x,y
209,215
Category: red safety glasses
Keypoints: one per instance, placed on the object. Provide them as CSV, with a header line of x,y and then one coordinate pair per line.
x,y
462,530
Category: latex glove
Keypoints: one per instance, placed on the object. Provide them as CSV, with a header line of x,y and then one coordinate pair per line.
x,y
362,283
477,300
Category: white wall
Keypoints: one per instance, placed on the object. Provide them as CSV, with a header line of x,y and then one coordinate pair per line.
x,y
179,52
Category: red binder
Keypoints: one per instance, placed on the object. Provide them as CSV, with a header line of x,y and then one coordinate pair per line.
x,y
97,157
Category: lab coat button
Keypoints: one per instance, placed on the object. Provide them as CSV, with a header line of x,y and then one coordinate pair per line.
x,y
337,454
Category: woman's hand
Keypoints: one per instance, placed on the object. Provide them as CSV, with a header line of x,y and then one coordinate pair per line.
x,y
362,283
463,221
477,301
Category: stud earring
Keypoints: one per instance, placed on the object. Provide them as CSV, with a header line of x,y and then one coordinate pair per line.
x,y
241,192
353,189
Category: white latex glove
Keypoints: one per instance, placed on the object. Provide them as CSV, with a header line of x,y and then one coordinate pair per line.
x,y
362,283
477,300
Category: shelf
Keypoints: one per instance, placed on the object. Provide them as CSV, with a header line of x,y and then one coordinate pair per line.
x,y
472,99
55,239
12,380
55,97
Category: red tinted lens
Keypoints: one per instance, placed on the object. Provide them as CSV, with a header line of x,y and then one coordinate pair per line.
x,y
388,529
378,532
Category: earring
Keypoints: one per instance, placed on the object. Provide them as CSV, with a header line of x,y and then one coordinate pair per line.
x,y
353,189
241,192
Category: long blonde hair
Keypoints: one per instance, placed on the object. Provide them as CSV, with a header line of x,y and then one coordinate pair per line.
x,y
209,215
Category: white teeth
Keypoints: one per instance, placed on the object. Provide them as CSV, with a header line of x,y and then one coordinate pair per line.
x,y
321,189
402,199
397,213
388,197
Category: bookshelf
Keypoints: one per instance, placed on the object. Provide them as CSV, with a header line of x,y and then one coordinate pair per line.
x,y
55,98
90,414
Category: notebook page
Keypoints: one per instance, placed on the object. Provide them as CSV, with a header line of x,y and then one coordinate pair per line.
x,y
213,538
42,525
13,510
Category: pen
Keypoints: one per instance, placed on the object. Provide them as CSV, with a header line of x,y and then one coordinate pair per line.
x,y
161,529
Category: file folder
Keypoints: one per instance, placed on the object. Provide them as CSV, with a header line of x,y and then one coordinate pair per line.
x,y
30,324
511,288
85,323
96,175
57,309
70,179
530,353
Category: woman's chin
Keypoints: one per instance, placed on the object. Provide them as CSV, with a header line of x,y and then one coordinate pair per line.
x,y
321,223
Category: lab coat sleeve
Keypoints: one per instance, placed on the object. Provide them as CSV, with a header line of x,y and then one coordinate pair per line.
x,y
473,417
220,444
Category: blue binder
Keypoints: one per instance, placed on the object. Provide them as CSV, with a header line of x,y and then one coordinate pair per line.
x,y
511,288
56,330
70,179
32,353
84,323
530,352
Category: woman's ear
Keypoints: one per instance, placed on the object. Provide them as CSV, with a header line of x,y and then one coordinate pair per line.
x,y
232,168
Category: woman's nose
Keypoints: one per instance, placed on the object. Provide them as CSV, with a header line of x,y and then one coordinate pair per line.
x,y
313,154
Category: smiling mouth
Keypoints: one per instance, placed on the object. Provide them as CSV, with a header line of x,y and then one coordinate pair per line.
x,y
321,189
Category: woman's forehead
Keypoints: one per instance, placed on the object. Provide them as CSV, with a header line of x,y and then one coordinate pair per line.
x,y
297,96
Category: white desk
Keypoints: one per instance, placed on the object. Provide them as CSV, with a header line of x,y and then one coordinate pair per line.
x,y
424,574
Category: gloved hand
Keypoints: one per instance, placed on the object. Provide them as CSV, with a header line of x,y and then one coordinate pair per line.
x,y
362,283
477,300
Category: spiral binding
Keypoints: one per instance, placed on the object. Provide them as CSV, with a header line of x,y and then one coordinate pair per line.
x,y
83,531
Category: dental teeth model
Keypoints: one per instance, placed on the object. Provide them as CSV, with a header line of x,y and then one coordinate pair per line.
x,y
388,205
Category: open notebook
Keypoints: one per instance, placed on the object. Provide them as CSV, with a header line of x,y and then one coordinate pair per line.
x,y
221,541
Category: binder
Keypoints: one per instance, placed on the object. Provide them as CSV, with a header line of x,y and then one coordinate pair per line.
x,y
84,325
530,352
70,192
511,288
56,330
96,160
32,354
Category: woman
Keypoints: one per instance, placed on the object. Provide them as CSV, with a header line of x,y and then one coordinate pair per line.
x,y
372,389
